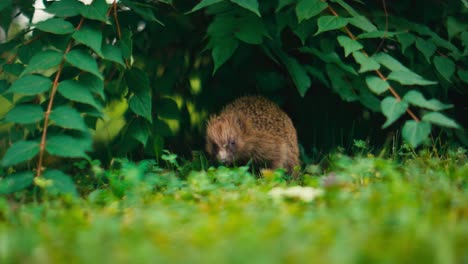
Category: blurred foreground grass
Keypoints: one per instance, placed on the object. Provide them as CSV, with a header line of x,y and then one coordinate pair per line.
x,y
356,210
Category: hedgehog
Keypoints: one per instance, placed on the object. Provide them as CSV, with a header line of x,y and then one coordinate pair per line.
x,y
253,128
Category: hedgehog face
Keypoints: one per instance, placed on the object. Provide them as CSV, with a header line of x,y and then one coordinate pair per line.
x,y
224,138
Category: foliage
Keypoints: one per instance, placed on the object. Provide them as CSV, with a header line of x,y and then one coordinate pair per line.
x,y
348,210
131,77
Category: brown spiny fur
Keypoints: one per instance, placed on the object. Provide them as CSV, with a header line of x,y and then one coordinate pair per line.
x,y
260,130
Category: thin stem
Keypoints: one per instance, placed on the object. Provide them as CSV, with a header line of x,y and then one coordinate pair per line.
x,y
379,73
51,103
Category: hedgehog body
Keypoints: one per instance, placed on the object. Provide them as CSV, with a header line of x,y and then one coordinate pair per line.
x,y
253,128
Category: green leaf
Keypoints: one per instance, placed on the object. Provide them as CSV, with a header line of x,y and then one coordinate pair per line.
x,y
251,30
367,63
204,3
31,85
408,78
25,114
20,151
454,26
83,61
426,47
406,40
363,23
16,182
145,11
296,71
284,3
318,74
222,51
79,92
445,66
126,44
113,53
91,37
377,85
137,80
140,131
65,8
306,9
251,5
416,132
66,146
96,11
377,34
349,45
305,29
93,83
440,120
463,74
67,117
61,183
340,83
140,104
389,62
56,26
392,109
167,108
417,99
43,61
330,57
327,23
4,4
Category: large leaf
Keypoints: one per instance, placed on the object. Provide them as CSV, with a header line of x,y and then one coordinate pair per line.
x,y
44,60
16,182
93,83
113,53
251,5
406,40
205,3
25,114
79,92
440,120
327,23
340,83
91,37
376,85
31,85
417,99
426,47
67,117
408,78
67,146
330,58
167,108
96,11
367,63
363,23
4,4
306,9
416,132
140,131
20,151
56,26
145,11
296,71
83,61
223,49
445,66
251,29
392,109
61,183
140,104
65,8
389,62
349,45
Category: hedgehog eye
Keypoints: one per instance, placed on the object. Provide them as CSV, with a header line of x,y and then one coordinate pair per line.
x,y
232,142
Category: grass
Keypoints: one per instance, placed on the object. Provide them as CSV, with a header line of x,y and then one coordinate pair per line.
x,y
361,209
